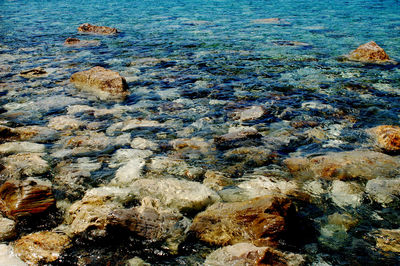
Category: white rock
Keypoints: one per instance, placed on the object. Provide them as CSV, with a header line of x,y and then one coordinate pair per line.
x,y
7,257
346,194
19,147
383,191
264,185
7,229
128,173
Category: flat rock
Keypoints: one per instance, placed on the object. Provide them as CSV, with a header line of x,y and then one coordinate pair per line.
x,y
259,219
23,198
386,137
104,82
388,240
176,194
144,144
93,29
24,164
33,73
41,247
21,147
351,165
370,53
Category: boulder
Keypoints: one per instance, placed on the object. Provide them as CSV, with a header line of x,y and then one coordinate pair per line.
x,y
349,165
41,247
24,164
369,53
104,82
249,254
387,137
7,229
260,220
22,198
103,30
186,196
388,240
33,73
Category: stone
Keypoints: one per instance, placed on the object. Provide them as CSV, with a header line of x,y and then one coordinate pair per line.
x,y
191,144
349,165
8,257
123,156
252,156
7,229
71,41
134,123
23,198
33,73
386,137
21,147
65,122
345,220
128,173
388,240
249,254
148,61
103,30
236,137
75,42
216,180
89,142
186,196
165,166
24,164
346,194
369,53
384,191
33,133
41,247
250,113
104,82
260,220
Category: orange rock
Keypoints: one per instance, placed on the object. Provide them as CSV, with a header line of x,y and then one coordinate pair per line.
x,y
88,28
387,137
369,52
101,80
22,198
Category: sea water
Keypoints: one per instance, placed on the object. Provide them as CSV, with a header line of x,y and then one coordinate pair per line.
x,y
216,58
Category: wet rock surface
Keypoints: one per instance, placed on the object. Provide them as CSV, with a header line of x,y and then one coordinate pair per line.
x,y
369,52
89,28
105,82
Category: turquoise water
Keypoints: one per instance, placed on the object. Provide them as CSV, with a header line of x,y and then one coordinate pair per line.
x,y
217,59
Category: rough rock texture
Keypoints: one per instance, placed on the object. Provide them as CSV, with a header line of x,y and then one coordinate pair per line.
x,y
259,219
21,198
105,82
388,240
8,258
177,194
24,164
33,73
369,52
143,144
88,28
216,180
248,254
260,185
7,229
384,191
387,137
41,247
350,165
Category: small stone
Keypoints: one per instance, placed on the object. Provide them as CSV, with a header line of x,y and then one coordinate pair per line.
x,y
387,137
23,198
370,53
259,219
136,261
123,156
33,73
346,194
71,41
346,221
106,83
7,229
388,240
41,247
191,144
216,180
21,147
88,28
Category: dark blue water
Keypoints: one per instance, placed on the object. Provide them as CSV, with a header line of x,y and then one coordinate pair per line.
x,y
216,59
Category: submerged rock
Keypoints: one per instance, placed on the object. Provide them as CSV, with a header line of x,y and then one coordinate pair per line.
x,y
165,166
106,83
387,137
216,180
104,30
261,219
278,21
33,73
41,247
144,144
250,113
349,165
388,240
21,147
186,196
8,257
346,194
22,198
75,42
24,164
65,122
7,229
237,137
128,173
384,191
249,254
370,53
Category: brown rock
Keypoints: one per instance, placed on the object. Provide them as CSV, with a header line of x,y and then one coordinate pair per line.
x,y
103,81
88,28
72,41
33,73
80,43
22,198
259,220
388,240
369,52
349,165
387,137
41,247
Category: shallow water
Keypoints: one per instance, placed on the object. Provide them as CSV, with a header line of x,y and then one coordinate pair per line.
x,y
216,60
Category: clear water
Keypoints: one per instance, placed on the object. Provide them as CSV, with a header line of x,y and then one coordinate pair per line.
x,y
219,60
